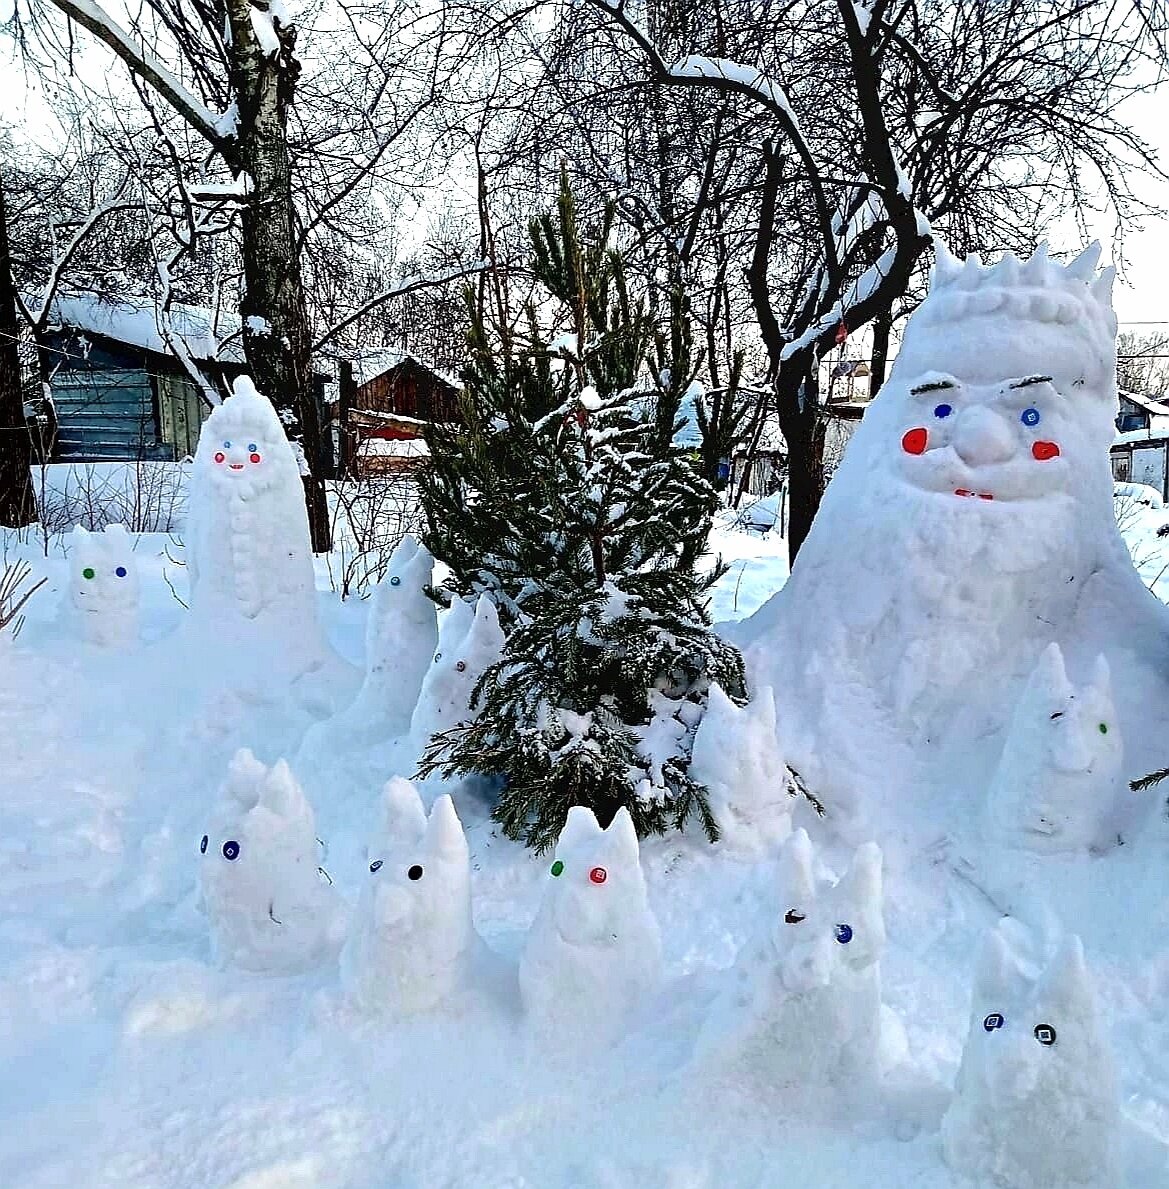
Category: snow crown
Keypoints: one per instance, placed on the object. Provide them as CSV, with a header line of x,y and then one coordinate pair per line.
x,y
1038,290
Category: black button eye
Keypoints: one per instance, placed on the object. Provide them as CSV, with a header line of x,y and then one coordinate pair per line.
x,y
461,666
376,865
203,845
793,917
993,1022
231,850
1045,1034
415,872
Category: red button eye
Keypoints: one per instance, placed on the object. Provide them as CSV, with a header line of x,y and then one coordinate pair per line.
x,y
255,457
219,456
598,875
914,441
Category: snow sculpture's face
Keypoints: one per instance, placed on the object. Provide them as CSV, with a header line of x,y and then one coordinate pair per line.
x,y
421,890
1004,441
595,881
103,573
260,851
467,646
826,933
242,449
1083,737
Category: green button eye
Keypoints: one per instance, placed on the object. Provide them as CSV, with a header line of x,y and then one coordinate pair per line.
x,y
1103,728
557,867
88,572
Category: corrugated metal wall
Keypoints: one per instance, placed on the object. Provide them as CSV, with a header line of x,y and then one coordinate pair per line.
x,y
106,414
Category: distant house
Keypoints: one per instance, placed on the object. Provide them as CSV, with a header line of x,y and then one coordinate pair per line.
x,y
396,395
1140,451
119,391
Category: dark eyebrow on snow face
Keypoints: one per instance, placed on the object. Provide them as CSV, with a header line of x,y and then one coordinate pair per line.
x,y
1031,380
935,386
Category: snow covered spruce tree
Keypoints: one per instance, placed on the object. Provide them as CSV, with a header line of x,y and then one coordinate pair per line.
x,y
564,497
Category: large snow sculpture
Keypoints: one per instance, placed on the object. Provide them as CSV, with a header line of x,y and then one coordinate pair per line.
x,y
969,524
736,755
1036,1101
594,950
1059,778
469,642
103,586
412,944
248,546
806,1007
269,908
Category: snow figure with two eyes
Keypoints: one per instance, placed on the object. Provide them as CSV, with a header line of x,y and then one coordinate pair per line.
x,y
103,586
805,1009
247,536
969,525
412,945
270,907
1037,1102
594,951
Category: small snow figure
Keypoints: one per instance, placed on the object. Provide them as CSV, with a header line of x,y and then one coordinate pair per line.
x,y
1036,1101
737,757
469,642
1060,772
412,944
400,642
270,909
594,950
806,1008
248,545
103,586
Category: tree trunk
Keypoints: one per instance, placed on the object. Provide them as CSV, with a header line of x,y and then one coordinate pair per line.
x,y
277,340
881,326
17,502
804,427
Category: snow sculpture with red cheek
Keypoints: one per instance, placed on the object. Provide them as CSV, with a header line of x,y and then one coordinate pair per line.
x,y
594,950
248,545
955,541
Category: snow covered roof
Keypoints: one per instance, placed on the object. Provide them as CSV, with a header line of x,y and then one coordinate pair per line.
x,y
371,362
393,448
1150,403
1158,431
136,321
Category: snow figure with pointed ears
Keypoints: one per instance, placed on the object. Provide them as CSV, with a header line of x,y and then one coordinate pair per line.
x,y
469,642
103,586
594,952
807,1008
969,524
736,755
1036,1104
270,909
1059,780
412,945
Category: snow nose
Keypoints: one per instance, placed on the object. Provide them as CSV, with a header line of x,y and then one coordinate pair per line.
x,y
982,437
808,966
392,906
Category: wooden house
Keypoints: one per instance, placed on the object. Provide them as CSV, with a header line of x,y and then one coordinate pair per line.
x,y
1140,451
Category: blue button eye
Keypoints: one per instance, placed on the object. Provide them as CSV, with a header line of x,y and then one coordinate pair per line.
x,y
231,850
993,1022
843,934
251,447
227,445
121,571
376,865
1029,416
943,411
203,845
395,581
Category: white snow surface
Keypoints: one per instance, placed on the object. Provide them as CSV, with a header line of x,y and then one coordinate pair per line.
x,y
130,1056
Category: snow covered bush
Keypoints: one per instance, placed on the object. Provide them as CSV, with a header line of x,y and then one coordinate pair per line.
x,y
565,499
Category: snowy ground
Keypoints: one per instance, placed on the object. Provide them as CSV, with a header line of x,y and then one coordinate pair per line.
x,y
128,1060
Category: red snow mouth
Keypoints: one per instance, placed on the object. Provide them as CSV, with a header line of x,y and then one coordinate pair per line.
x,y
982,495
236,466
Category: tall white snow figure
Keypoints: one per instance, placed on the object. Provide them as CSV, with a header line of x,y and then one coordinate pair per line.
x,y
1036,1103
594,951
400,642
968,524
1059,778
412,944
807,1008
736,755
248,547
269,908
469,642
104,588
